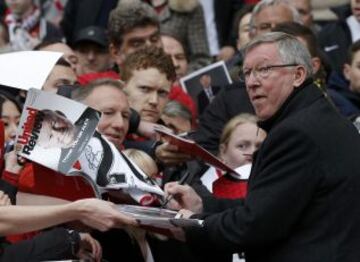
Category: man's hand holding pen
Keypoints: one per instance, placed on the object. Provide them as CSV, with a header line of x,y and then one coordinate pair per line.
x,y
184,197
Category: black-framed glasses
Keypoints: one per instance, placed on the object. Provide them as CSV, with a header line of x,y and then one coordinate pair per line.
x,y
261,72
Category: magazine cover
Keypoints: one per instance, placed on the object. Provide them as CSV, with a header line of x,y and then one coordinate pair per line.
x,y
190,147
111,170
54,130
216,73
158,217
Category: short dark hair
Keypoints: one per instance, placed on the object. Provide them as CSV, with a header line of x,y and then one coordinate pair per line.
x,y
82,92
296,29
127,16
246,9
46,43
353,49
5,96
149,57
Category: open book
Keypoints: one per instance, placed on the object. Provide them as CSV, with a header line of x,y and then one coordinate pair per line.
x,y
192,148
158,217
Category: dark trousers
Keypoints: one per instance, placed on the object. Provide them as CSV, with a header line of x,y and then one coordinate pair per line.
x,y
49,245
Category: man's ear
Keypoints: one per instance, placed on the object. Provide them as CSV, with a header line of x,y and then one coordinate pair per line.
x,y
222,149
316,64
300,76
116,54
347,71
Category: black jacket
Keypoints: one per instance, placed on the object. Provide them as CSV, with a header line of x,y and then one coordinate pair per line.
x,y
302,202
335,39
229,102
203,100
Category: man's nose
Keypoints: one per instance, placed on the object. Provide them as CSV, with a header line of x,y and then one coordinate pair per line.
x,y
91,55
154,98
148,43
252,80
175,62
118,122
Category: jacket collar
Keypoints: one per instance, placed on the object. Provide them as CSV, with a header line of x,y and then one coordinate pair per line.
x,y
301,97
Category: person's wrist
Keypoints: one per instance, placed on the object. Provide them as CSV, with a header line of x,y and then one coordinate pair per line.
x,y
76,210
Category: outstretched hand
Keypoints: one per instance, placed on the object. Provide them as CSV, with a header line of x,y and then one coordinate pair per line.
x,y
102,215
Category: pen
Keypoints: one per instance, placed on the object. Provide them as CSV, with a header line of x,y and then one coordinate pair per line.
x,y
181,182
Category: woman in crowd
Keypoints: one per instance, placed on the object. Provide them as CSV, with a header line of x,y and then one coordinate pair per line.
x,y
240,138
10,111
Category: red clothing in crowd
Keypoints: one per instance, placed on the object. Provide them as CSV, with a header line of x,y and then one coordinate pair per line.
x,y
229,187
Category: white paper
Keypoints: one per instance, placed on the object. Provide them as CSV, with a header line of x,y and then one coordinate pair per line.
x,y
27,69
244,171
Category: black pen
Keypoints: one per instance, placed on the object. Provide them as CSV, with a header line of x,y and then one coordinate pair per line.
x,y
181,182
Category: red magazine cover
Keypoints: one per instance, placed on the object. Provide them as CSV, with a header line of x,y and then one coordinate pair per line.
x,y
190,147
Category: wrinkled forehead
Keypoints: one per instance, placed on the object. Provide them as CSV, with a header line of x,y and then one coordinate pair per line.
x,y
261,53
150,77
107,95
171,45
274,14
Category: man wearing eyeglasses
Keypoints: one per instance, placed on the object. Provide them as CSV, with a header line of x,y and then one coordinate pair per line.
x,y
302,202
269,13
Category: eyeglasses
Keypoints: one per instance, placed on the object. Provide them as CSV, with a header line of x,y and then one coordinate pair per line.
x,y
260,72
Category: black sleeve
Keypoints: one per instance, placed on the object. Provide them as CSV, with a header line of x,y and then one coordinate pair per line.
x,y
9,189
54,244
283,174
134,121
229,102
68,21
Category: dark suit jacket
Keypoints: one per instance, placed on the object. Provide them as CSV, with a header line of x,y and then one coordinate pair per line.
x,y
79,14
302,203
225,11
203,100
229,102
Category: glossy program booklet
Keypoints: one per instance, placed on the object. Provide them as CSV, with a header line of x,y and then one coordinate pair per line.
x,y
158,217
54,130
192,148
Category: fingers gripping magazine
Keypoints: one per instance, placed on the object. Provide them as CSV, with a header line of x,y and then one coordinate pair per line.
x,y
54,130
